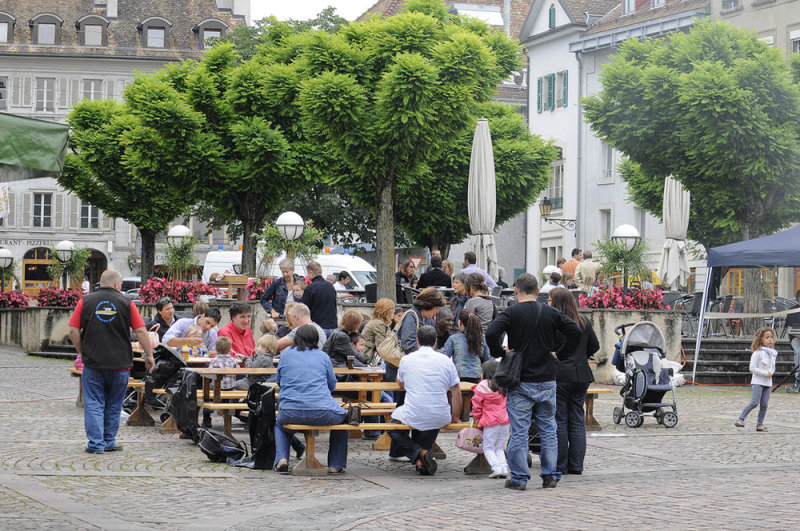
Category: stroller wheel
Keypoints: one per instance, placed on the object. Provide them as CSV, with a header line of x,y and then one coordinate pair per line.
x,y
669,419
617,415
633,420
164,417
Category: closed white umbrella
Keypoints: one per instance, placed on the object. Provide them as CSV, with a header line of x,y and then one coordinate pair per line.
x,y
482,198
673,268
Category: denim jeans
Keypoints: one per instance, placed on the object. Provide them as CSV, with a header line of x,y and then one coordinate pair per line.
x,y
337,449
537,399
795,343
409,444
570,398
760,398
103,393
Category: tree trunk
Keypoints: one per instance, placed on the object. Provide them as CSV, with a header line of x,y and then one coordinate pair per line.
x,y
443,243
148,254
752,289
384,237
249,244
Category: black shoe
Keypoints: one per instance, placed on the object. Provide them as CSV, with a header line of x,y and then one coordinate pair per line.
x,y
429,463
549,482
575,472
92,451
300,452
515,486
115,448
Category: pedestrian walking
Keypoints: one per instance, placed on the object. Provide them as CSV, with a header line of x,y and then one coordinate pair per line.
x,y
762,365
100,330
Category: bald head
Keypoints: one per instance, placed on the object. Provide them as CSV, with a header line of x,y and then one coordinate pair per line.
x,y
111,279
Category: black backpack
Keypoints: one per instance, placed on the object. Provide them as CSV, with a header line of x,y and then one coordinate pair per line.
x,y
261,425
182,403
219,448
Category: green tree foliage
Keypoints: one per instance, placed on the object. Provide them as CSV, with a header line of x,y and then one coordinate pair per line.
x,y
434,210
130,159
388,96
181,261
74,267
717,109
615,258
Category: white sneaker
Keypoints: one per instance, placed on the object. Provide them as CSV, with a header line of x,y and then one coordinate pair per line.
x,y
500,474
399,459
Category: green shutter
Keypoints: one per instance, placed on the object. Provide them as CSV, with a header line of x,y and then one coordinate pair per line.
x,y
538,94
551,92
552,16
564,89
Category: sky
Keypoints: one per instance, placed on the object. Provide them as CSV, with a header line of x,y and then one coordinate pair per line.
x,y
307,9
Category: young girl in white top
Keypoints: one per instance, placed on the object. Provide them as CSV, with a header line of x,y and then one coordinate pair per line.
x,y
762,365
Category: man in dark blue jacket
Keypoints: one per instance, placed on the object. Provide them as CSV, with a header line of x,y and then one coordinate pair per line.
x,y
531,329
320,297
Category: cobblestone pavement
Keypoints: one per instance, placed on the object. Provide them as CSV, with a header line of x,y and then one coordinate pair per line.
x,y
704,472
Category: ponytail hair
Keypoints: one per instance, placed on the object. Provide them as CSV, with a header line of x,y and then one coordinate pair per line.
x,y
473,330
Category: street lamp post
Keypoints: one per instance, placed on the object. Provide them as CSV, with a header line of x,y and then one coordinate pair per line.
x,y
176,236
5,260
546,206
291,226
629,237
64,250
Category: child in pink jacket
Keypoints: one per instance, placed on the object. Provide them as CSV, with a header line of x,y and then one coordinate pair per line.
x,y
489,409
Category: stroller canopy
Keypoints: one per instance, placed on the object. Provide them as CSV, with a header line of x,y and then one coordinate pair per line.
x,y
644,334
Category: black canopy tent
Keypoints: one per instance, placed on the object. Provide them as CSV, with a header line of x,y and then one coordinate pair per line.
x,y
781,249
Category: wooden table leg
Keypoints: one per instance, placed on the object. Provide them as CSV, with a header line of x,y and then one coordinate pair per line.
x,y
168,426
384,442
140,417
206,389
227,421
478,465
590,422
79,400
437,452
309,465
218,389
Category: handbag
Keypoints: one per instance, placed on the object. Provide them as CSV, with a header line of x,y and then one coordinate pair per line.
x,y
153,333
354,414
470,439
509,370
390,349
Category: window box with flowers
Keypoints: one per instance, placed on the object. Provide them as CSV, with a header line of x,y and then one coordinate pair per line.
x,y
59,298
179,291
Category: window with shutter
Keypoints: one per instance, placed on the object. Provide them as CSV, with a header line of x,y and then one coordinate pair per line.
x,y
58,211
552,14
27,92
110,86
16,91
75,92
74,206
106,222
538,94
564,88
551,92
63,93
11,218
27,213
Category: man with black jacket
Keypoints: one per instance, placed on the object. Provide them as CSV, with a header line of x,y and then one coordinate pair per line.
x,y
434,276
320,297
531,329
100,330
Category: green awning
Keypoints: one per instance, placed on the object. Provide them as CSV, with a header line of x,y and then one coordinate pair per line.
x,y
32,144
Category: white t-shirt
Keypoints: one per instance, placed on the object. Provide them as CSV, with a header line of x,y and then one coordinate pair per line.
x,y
338,286
320,331
427,375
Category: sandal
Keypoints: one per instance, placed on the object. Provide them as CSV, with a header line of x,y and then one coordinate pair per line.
x,y
333,471
282,467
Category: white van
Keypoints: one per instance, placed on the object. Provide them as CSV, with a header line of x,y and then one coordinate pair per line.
x,y
359,269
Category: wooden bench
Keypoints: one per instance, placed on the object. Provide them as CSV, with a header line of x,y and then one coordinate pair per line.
x,y
310,466
589,421
78,373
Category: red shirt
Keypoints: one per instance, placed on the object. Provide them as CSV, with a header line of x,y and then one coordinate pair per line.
x,y
243,342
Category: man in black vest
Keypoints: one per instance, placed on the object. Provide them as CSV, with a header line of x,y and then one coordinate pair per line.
x,y
320,297
100,330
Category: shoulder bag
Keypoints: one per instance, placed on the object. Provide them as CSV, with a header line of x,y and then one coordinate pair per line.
x,y
390,349
509,371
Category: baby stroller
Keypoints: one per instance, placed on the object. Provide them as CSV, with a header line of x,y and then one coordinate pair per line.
x,y
640,352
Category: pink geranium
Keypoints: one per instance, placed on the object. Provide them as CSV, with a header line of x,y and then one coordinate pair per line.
x,y
59,298
615,297
179,291
13,299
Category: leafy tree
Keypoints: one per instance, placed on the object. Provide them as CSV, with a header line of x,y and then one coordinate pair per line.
x,y
717,109
388,96
434,210
74,267
129,159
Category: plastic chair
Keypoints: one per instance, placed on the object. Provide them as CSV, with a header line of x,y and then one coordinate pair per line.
x,y
371,293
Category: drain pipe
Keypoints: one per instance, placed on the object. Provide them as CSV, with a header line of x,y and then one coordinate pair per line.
x,y
507,17
580,181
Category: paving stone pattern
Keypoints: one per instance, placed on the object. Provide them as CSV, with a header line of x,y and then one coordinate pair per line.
x,y
704,472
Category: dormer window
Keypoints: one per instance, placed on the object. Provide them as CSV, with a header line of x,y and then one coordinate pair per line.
x,y
46,29
628,6
6,28
92,31
154,32
207,31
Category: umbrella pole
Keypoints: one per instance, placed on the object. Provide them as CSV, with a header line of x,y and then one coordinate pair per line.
x,y
709,274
